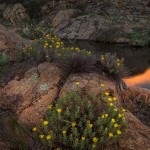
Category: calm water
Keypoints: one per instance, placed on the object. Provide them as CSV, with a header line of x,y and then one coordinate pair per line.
x,y
137,60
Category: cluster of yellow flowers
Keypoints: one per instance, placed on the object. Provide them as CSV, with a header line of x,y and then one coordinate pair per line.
x,y
121,115
106,126
103,57
52,42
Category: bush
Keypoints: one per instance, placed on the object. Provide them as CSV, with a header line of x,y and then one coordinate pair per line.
x,y
4,59
112,66
81,121
75,60
34,7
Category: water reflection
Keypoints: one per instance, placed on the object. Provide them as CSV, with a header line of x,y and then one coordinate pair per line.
x,y
137,60
141,80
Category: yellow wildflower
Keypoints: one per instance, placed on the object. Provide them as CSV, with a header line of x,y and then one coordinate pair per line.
x,y
59,110
57,43
119,115
123,110
64,132
58,148
107,93
73,124
112,120
57,46
41,136
46,44
77,83
111,104
102,85
95,139
119,132
109,99
103,116
102,58
111,134
48,137
123,118
34,129
83,138
93,145
118,64
115,109
90,125
114,98
77,49
89,52
45,123
116,125
106,115
50,46
50,106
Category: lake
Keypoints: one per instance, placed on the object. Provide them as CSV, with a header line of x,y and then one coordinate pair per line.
x,y
137,60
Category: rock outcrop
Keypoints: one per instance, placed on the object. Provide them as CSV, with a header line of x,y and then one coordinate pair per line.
x,y
10,41
29,97
15,13
110,21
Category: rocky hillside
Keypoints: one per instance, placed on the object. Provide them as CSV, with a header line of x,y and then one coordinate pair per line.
x,y
116,21
113,21
29,98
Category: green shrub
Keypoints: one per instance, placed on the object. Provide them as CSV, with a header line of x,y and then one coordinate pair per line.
x,y
4,59
112,66
34,7
81,121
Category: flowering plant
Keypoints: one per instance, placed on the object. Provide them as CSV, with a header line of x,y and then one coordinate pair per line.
x,y
82,121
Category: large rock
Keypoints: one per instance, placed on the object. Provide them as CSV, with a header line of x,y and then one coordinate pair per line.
x,y
104,28
10,41
109,21
15,13
30,96
64,15
137,137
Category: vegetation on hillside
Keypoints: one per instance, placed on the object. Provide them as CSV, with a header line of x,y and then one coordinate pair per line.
x,y
81,121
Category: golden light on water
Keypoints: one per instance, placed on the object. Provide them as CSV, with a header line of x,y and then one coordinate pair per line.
x,y
136,80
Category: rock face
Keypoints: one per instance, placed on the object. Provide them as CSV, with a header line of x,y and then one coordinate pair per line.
x,y
30,96
15,13
111,21
101,28
10,41
138,135
64,15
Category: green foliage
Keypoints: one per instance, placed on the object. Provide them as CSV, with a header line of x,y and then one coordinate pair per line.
x,y
51,48
4,59
32,30
139,36
75,60
112,66
81,121
34,7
